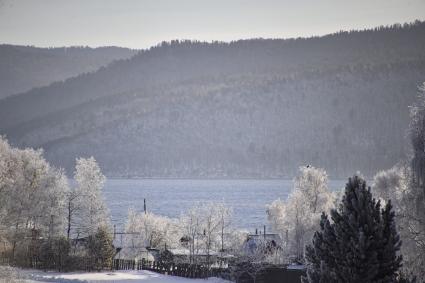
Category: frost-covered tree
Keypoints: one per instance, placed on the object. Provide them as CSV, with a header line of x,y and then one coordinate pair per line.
x,y
296,218
313,184
191,226
361,243
391,185
32,196
92,212
8,172
293,221
151,230
394,185
207,227
212,226
54,195
403,185
413,206
225,221
72,209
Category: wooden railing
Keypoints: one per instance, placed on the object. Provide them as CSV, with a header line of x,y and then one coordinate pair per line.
x,y
268,274
179,269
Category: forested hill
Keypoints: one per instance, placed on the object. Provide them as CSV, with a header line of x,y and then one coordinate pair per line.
x,y
250,108
25,67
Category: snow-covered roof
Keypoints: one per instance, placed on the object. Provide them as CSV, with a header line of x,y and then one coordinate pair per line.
x,y
186,252
133,253
179,251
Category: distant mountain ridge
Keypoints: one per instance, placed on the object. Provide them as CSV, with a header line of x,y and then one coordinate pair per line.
x,y
251,108
25,67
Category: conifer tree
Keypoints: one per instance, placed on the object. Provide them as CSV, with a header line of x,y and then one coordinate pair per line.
x,y
101,249
361,243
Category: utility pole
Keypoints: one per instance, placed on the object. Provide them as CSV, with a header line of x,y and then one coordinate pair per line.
x,y
144,205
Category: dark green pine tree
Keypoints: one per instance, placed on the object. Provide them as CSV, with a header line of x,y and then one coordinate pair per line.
x,y
361,243
101,249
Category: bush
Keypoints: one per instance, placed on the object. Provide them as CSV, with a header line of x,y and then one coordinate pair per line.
x,y
54,254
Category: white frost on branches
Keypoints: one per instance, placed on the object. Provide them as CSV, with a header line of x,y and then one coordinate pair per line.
x,y
150,230
32,195
93,212
296,218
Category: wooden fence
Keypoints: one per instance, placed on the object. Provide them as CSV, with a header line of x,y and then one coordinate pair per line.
x,y
270,274
126,264
181,269
4,261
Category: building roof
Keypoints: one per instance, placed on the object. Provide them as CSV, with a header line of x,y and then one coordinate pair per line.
x,y
186,252
135,253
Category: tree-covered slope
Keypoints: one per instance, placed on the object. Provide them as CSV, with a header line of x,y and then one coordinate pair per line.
x,y
179,61
25,67
255,108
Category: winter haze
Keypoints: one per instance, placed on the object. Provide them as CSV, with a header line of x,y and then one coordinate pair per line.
x,y
248,108
245,109
216,141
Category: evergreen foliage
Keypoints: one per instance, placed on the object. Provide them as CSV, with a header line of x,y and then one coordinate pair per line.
x,y
361,243
101,249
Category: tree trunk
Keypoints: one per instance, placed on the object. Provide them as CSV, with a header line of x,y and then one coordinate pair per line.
x,y
69,220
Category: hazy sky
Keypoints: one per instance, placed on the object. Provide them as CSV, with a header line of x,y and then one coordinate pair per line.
x,y
143,23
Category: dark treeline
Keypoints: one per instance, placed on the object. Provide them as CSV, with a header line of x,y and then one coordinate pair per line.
x,y
249,108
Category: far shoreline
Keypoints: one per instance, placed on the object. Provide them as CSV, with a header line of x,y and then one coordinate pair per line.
x,y
210,179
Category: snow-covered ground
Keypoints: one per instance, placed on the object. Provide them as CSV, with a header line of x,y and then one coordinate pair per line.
x,y
141,276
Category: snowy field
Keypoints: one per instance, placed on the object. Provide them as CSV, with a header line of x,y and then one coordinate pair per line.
x,y
142,276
